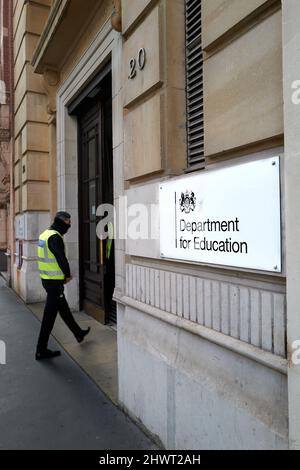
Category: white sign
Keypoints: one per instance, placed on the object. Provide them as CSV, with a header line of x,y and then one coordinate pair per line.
x,y
20,227
2,353
229,216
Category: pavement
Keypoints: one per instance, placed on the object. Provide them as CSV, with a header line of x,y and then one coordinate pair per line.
x,y
96,355
53,404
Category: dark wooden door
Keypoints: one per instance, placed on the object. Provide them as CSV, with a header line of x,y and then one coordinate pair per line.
x,y
95,188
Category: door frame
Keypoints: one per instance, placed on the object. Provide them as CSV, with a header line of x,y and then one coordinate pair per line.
x,y
107,44
92,309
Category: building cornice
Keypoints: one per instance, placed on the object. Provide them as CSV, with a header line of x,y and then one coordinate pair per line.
x,y
65,20
55,18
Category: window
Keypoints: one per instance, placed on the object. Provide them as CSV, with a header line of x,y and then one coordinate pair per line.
x,y
194,84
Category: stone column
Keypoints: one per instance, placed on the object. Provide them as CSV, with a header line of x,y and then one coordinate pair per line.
x,y
291,74
51,80
31,191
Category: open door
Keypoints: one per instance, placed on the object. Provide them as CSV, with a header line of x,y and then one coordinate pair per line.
x,y
95,177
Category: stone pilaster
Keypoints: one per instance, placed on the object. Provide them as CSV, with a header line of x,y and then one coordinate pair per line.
x,y
291,67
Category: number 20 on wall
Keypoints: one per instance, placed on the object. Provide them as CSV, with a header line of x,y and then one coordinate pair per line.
x,y
137,63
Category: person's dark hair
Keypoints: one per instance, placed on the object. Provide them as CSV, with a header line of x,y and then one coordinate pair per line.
x,y
62,215
60,223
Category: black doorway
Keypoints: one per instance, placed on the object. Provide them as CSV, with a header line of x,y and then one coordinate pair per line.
x,y
95,179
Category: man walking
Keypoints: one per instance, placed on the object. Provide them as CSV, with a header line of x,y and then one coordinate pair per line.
x,y
55,272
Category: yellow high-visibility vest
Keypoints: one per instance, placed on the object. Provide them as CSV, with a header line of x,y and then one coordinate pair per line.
x,y
109,240
47,264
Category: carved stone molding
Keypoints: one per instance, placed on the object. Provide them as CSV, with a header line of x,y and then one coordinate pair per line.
x,y
116,17
51,80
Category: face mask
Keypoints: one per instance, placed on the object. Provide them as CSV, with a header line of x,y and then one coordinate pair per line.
x,y
61,226
65,227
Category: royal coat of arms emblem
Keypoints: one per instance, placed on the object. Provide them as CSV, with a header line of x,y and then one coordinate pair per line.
x,y
187,202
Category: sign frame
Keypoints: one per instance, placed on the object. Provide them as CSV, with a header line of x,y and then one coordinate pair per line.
x,y
257,186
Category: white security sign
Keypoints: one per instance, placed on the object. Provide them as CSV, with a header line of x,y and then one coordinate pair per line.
x,y
229,216
20,227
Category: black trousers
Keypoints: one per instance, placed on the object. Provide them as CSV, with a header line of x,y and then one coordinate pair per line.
x,y
56,302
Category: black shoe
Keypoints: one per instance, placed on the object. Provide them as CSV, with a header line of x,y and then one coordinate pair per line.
x,y
47,354
83,334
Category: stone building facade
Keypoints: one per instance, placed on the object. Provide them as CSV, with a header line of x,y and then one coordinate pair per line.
x,y
205,351
6,97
